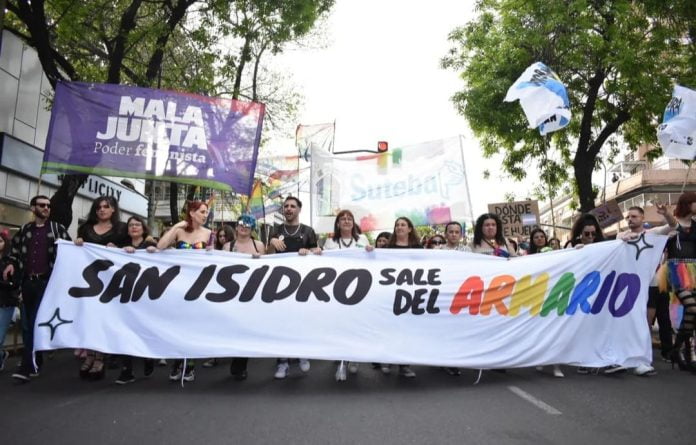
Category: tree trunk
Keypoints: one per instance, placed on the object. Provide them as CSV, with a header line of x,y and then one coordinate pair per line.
x,y
244,57
583,167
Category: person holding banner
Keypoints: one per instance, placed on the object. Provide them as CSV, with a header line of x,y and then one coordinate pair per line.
x,y
32,257
292,236
244,242
188,234
585,230
453,237
539,244
489,238
658,303
404,236
346,235
140,239
103,227
679,274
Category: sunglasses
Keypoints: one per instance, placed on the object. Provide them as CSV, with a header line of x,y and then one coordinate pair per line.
x,y
43,205
437,243
104,206
589,234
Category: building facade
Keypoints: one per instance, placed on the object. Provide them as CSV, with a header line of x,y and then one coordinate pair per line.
x,y
635,181
24,118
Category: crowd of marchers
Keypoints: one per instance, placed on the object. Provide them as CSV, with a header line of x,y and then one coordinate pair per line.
x,y
27,260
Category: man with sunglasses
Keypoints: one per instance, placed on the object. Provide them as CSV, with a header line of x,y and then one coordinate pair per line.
x,y
32,256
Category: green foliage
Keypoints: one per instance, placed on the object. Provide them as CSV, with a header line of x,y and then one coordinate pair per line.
x,y
618,59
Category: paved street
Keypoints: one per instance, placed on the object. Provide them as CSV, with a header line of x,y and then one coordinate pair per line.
x,y
521,406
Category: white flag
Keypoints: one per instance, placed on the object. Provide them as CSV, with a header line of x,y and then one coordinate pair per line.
x,y
543,98
677,132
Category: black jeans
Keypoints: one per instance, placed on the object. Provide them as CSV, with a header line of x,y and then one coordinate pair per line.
x,y
660,302
239,365
32,293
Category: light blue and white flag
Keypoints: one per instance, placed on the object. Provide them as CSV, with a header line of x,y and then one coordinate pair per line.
x,y
543,98
677,132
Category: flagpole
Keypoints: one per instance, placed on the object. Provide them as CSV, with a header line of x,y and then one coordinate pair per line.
x,y
547,146
466,181
686,178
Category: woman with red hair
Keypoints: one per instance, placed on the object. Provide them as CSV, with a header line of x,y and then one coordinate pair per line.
x,y
188,234
680,273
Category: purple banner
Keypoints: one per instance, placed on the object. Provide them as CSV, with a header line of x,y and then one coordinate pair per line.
x,y
118,130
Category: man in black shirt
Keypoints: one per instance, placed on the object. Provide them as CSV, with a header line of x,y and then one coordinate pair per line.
x,y
292,236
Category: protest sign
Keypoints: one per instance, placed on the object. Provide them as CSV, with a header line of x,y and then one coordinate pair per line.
x,y
518,217
608,213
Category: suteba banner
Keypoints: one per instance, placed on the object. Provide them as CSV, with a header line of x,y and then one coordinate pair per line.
x,y
119,130
582,307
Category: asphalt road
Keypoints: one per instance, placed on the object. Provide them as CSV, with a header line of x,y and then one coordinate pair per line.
x,y
520,406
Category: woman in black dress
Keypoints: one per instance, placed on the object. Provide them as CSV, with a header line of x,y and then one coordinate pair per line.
x,y
103,227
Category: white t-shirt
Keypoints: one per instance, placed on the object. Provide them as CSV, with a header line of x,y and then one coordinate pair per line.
x,y
346,243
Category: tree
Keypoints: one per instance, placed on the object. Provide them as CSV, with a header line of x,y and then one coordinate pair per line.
x,y
177,44
618,59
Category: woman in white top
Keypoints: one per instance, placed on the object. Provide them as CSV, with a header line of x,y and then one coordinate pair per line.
x,y
346,235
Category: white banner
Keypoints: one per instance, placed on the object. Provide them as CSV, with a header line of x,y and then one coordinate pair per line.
x,y
582,307
425,182
543,98
677,132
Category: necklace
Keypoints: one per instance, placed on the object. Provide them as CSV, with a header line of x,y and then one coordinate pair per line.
x,y
346,244
293,233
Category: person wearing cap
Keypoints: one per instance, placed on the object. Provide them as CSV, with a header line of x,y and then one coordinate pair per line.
x,y
244,243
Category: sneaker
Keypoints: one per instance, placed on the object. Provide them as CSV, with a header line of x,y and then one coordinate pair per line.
x,y
613,369
125,377
190,374
353,367
35,373
162,362
406,371
210,363
644,370
304,365
175,373
281,371
341,372
583,370
149,367
21,376
557,372
386,369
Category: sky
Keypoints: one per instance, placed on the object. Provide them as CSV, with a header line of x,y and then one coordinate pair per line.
x,y
379,77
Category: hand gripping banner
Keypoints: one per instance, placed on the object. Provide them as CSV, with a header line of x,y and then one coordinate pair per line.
x,y
580,307
119,130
